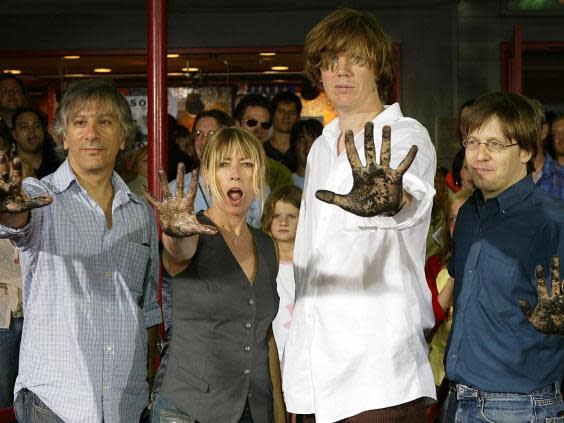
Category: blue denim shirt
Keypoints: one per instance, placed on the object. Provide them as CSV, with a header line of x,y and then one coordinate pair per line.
x,y
497,244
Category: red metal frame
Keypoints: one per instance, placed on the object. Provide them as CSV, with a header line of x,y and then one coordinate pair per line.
x,y
156,90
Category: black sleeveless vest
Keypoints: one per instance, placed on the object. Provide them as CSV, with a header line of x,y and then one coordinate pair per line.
x,y
217,357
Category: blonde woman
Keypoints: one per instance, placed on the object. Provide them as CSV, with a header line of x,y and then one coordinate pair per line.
x,y
223,277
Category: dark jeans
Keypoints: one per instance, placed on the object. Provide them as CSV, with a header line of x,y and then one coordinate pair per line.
x,y
468,405
162,411
30,409
9,356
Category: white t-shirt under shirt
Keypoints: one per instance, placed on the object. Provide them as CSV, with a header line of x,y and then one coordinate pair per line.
x,y
286,291
356,341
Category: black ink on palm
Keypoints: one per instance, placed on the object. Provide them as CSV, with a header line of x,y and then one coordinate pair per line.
x,y
176,214
548,315
13,199
377,189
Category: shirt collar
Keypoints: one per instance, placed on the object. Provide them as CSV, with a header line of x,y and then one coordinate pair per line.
x,y
64,177
388,116
512,196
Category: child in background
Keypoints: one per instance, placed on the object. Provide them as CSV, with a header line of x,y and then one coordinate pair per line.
x,y
442,289
280,220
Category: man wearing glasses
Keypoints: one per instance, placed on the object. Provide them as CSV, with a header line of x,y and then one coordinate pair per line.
x,y
501,367
253,113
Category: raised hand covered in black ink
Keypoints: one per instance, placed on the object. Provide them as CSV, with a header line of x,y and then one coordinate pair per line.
x,y
13,199
176,214
377,189
548,315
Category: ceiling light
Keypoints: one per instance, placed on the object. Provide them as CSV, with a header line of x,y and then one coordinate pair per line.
x,y
173,55
71,57
267,54
190,69
13,71
102,70
279,68
175,74
74,75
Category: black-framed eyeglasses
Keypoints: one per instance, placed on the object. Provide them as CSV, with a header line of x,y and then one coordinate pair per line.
x,y
202,134
251,123
493,146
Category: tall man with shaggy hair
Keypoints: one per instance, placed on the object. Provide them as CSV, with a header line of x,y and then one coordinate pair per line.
x,y
88,251
356,350
506,365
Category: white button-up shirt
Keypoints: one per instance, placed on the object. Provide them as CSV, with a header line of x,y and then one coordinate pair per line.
x,y
356,341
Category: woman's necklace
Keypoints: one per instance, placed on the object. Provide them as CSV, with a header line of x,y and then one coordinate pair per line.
x,y
235,237
224,230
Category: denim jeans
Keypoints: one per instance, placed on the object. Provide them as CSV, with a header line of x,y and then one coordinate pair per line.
x,y
162,411
467,405
30,409
9,356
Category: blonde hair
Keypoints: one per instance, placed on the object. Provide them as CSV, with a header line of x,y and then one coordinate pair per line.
x,y
223,143
356,34
290,194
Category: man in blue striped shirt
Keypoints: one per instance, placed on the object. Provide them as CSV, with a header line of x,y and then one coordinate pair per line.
x,y
89,260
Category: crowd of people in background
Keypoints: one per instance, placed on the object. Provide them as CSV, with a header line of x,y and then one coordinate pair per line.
x,y
264,319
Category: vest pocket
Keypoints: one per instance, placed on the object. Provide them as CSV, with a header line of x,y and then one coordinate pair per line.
x,y
194,380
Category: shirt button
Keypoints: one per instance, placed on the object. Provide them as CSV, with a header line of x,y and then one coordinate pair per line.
x,y
247,348
453,355
248,325
108,347
251,301
108,310
470,271
249,395
247,371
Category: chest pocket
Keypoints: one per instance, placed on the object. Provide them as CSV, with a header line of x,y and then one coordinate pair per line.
x,y
131,259
496,290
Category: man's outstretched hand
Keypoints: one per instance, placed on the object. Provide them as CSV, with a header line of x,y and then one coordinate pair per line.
x,y
176,214
377,189
13,199
548,315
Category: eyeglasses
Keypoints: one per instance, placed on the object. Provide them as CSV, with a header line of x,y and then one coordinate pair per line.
x,y
493,146
201,134
251,123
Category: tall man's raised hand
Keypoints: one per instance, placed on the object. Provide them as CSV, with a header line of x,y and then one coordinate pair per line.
x,y
377,189
176,214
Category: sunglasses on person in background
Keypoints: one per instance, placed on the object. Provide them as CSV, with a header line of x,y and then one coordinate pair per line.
x,y
251,123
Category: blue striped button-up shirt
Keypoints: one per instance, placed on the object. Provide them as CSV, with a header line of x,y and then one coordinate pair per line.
x,y
89,292
552,178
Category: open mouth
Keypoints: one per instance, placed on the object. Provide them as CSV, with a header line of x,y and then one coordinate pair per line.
x,y
235,194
